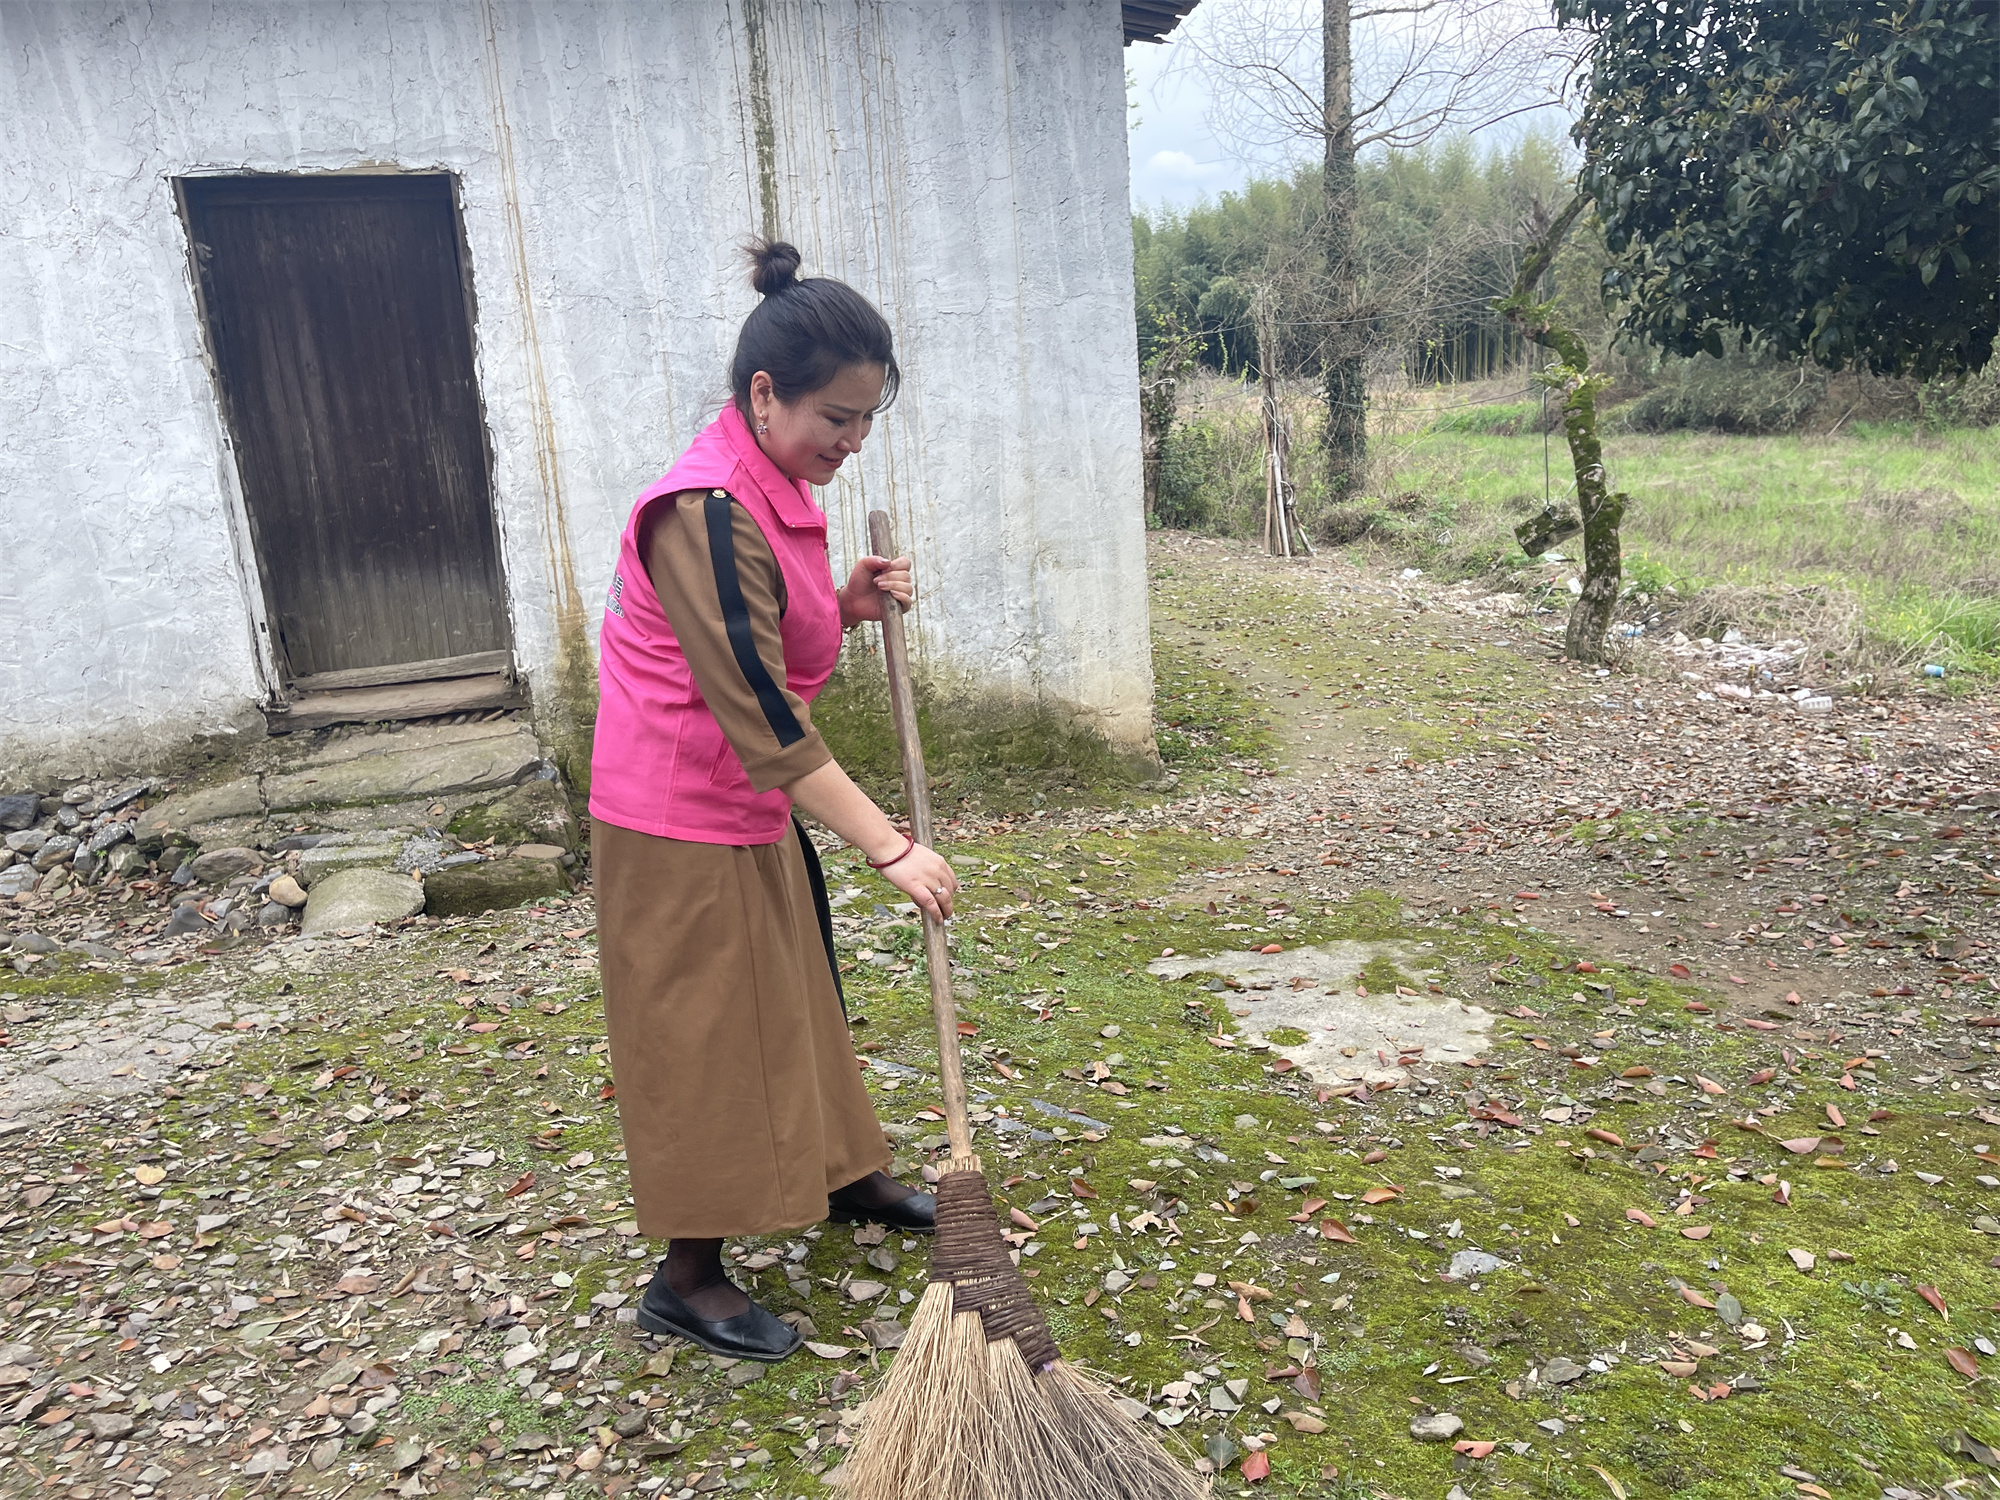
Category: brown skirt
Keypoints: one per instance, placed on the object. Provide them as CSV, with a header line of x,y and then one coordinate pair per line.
x,y
738,1090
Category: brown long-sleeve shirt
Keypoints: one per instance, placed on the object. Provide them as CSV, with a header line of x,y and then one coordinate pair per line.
x,y
724,594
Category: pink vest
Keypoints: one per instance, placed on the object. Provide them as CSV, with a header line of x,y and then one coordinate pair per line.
x,y
660,764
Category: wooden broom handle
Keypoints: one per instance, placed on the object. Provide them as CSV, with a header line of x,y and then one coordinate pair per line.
x,y
917,793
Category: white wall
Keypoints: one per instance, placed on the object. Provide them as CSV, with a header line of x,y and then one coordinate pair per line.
x,y
964,163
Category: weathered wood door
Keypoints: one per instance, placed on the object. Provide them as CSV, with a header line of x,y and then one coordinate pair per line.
x,y
337,315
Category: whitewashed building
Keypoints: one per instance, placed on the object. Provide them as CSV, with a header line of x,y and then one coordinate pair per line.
x,y
336,337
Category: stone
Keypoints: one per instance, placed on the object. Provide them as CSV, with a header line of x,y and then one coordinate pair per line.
x,y
393,766
35,942
57,850
272,1460
1561,1371
187,918
19,810
229,799
1467,1264
105,837
1473,1355
323,1455
125,860
219,866
630,1424
16,879
27,840
1438,1427
347,853
493,885
359,898
286,891
536,812
273,914
1116,1281
110,1425
539,851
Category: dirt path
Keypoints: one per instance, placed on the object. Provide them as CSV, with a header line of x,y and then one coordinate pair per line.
x,y
1832,856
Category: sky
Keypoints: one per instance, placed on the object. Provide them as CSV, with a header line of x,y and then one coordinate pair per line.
x,y
1177,159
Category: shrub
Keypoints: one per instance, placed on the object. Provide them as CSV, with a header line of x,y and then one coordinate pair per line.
x,y
1739,393
1190,496
1971,402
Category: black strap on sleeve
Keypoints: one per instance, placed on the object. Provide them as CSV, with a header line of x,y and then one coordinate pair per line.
x,y
736,620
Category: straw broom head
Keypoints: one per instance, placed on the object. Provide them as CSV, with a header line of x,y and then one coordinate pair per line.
x,y
979,1404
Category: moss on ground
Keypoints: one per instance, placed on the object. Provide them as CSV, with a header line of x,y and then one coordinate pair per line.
x,y
987,757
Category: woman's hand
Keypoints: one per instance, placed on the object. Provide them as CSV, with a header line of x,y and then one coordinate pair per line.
x,y
873,577
925,877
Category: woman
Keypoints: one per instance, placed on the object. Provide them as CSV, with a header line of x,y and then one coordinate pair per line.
x,y
742,1107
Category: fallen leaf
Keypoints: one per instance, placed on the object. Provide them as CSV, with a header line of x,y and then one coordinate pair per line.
x,y
1472,1449
1617,1489
1698,1231
1930,1295
1803,1145
1709,1085
1839,1120
1695,1299
1081,1189
1641,1217
150,1176
1605,1136
1257,1467
1381,1194
1680,1369
1305,1421
1962,1361
1022,1221
1333,1229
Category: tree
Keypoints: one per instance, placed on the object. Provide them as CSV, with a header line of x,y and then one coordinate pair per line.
x,y
1424,67
1599,509
1818,177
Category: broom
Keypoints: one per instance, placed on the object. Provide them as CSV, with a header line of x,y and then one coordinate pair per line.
x,y
979,1404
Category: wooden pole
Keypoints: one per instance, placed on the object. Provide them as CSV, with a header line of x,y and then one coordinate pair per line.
x,y
917,793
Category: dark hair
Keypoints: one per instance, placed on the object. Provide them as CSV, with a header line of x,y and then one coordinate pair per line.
x,y
805,332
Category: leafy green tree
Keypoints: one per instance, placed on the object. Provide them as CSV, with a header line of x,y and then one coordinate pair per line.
x,y
1818,177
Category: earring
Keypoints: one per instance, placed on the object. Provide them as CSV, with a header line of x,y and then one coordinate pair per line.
x,y
762,428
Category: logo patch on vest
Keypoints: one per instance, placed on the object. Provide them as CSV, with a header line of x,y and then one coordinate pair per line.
x,y
613,599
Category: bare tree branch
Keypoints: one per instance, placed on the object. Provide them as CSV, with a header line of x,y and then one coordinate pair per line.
x,y
1420,69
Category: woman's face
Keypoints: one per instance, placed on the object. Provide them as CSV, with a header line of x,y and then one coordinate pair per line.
x,y
811,437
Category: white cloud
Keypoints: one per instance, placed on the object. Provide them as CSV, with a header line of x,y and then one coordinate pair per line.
x,y
1179,164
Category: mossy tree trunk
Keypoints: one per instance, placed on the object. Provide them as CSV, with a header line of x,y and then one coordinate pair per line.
x,y
1599,507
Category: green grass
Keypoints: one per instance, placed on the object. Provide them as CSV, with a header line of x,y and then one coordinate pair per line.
x,y
1894,527
1906,521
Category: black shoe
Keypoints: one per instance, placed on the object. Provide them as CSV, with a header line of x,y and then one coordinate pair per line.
x,y
752,1334
916,1214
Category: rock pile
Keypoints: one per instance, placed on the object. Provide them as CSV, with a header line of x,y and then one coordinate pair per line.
x,y
334,833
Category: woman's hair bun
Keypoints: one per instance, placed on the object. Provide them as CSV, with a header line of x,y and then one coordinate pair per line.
x,y
774,265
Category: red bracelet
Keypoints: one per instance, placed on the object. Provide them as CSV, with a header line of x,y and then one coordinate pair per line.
x,y
903,853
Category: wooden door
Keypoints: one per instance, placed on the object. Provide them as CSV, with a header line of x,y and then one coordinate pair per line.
x,y
337,316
